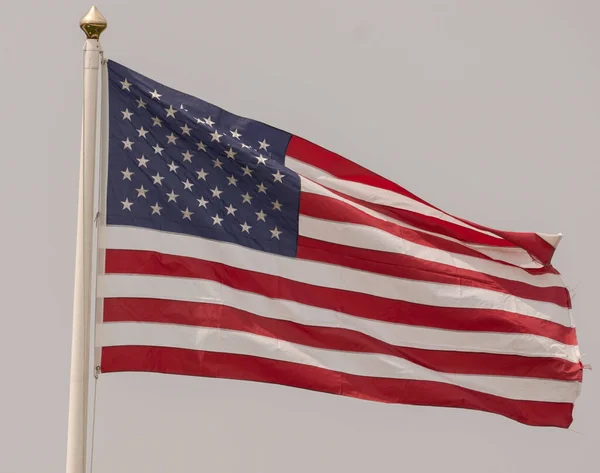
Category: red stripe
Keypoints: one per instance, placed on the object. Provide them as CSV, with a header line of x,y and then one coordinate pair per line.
x,y
408,267
327,208
532,243
535,245
348,302
431,224
229,318
399,391
342,168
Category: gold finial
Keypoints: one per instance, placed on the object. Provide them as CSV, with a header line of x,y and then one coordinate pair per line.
x,y
93,23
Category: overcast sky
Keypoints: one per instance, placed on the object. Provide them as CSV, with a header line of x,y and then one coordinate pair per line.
x,y
489,110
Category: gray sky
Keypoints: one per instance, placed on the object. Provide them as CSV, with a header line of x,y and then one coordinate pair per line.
x,y
490,110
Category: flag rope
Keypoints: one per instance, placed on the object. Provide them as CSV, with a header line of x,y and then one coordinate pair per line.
x,y
96,374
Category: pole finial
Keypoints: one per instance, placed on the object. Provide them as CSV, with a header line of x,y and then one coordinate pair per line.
x,y
93,23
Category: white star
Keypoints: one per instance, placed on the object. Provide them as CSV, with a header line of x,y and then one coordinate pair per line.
x,y
231,210
202,202
262,188
185,129
263,144
232,181
187,185
216,136
260,216
199,120
126,85
142,161
246,198
173,167
156,209
230,153
126,204
141,103
201,174
156,95
172,196
127,174
275,233
172,138
187,156
141,132
170,111
277,205
260,159
127,144
217,163
245,227
201,146
247,171
216,192
209,121
235,134
157,179
127,114
156,121
158,149
187,214
245,146
217,220
142,192
278,177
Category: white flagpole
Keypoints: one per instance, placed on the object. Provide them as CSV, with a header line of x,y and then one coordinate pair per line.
x,y
93,23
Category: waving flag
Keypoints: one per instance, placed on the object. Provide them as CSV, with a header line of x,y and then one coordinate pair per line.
x,y
236,250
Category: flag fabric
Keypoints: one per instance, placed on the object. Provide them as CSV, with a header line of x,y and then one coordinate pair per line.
x,y
236,250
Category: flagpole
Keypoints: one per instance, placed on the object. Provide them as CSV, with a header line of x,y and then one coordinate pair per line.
x,y
93,24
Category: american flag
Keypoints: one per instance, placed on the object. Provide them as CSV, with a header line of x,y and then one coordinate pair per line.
x,y
233,249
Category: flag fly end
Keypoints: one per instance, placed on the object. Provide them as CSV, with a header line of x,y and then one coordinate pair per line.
x,y
553,240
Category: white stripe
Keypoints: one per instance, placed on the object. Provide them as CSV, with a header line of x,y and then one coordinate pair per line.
x,y
512,255
385,197
211,292
372,194
361,364
372,238
380,196
325,275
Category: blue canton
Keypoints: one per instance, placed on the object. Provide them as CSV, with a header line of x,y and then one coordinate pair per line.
x,y
179,164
